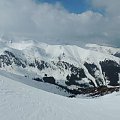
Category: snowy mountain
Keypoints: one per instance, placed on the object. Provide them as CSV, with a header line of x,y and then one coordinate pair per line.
x,y
66,70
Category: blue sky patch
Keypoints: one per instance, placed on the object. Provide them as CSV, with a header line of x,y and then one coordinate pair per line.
x,y
75,6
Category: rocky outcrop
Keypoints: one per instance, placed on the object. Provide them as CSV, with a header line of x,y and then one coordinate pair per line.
x,y
8,58
111,71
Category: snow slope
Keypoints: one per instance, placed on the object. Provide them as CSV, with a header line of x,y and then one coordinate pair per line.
x,y
21,102
104,49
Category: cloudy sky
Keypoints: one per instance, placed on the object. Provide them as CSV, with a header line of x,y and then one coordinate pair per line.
x,y
63,21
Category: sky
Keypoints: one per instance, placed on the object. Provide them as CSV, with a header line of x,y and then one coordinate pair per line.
x,y
76,6
62,21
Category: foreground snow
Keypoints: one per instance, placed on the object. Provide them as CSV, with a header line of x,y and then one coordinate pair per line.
x,y
21,102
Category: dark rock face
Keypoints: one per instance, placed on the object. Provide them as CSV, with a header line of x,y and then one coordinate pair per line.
x,y
49,80
111,70
32,64
9,58
117,54
38,79
41,64
73,78
76,74
92,69
17,61
4,59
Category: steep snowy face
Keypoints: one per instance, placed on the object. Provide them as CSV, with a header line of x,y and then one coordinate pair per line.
x,y
69,67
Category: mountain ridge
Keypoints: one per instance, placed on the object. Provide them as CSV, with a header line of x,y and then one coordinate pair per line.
x,y
67,66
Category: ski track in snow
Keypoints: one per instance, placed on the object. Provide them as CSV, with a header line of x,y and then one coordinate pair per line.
x,y
22,102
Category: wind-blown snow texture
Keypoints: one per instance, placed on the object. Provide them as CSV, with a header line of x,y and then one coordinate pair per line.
x,y
22,102
66,69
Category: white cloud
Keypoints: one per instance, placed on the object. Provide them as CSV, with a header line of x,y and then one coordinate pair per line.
x,y
112,19
112,7
52,22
